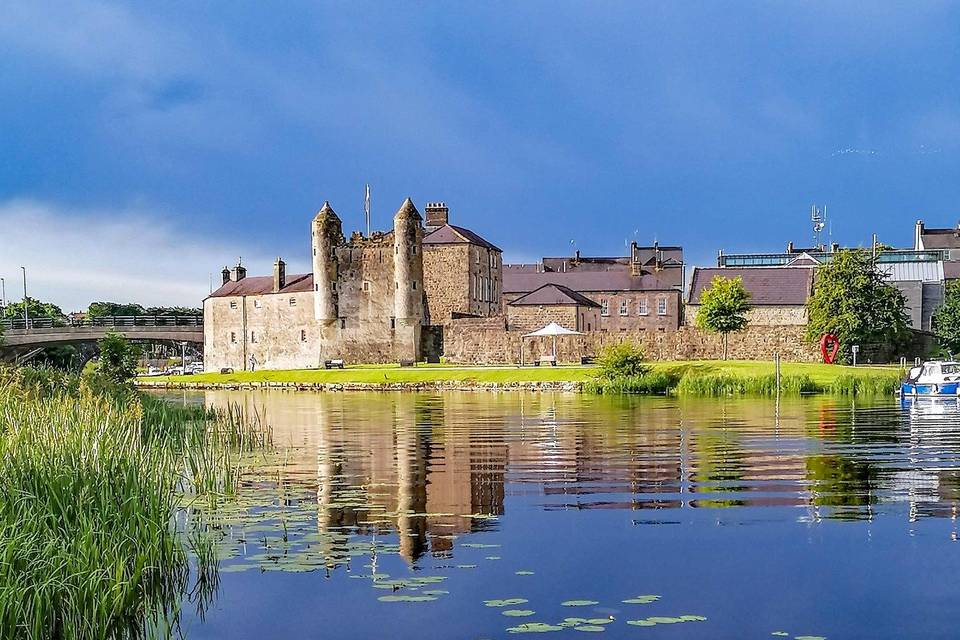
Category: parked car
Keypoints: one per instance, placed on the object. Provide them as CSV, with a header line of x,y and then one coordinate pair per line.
x,y
155,371
195,367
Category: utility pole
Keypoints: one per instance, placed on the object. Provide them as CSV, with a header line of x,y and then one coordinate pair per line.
x,y
26,313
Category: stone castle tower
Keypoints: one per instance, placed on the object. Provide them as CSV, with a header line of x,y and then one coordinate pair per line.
x,y
368,291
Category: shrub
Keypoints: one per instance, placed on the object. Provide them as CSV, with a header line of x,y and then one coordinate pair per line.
x,y
651,383
623,360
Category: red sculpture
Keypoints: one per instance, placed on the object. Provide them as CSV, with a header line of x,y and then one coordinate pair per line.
x,y
829,347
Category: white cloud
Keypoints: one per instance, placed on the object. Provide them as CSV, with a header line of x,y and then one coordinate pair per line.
x,y
74,257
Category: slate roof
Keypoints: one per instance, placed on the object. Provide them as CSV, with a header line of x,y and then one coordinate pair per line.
x,y
773,286
941,239
523,281
260,285
554,294
951,270
452,234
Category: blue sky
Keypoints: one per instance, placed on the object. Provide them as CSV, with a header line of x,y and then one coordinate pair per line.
x,y
144,145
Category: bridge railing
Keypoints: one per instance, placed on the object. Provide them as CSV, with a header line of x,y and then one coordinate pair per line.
x,y
103,321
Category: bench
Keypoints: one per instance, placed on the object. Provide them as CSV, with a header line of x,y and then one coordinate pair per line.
x,y
552,360
587,360
333,364
408,363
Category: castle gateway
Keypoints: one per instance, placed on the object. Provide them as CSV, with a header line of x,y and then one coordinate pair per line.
x,y
368,300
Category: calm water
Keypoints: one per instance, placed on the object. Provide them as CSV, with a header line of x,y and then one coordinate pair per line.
x,y
401,515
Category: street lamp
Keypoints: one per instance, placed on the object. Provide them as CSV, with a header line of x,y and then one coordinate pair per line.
x,y
26,314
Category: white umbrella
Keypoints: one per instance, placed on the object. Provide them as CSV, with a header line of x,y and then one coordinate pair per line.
x,y
553,330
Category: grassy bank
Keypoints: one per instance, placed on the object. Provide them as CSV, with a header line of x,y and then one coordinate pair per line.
x,y
92,478
688,378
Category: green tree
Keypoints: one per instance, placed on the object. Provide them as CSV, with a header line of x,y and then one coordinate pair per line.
x,y
35,309
946,320
118,358
723,307
103,309
623,360
854,301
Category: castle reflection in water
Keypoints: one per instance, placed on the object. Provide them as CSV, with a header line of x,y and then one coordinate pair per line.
x,y
432,467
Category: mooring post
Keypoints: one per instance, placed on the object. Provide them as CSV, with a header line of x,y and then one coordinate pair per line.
x,y
776,361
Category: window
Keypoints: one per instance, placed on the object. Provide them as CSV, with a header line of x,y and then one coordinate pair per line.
x,y
253,336
257,303
642,307
293,302
343,323
366,285
478,256
623,307
233,337
662,307
303,335
604,309
233,304
414,283
393,323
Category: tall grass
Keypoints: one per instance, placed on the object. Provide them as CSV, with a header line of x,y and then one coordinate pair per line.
x,y
704,384
91,481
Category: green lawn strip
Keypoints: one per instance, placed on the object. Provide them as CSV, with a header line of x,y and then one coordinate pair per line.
x,y
821,374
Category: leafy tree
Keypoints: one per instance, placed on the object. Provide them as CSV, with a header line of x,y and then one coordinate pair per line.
x,y
623,360
174,311
35,309
118,358
946,320
853,301
103,309
723,307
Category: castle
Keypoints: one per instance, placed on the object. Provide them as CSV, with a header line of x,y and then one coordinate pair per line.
x,y
369,299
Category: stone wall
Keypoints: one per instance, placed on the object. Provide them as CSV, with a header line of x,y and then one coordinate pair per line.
x,y
767,315
486,341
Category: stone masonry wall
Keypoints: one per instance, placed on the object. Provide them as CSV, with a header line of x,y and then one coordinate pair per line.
x,y
482,341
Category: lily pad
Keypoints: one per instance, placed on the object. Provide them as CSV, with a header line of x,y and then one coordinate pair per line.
x,y
506,602
589,627
641,599
466,566
641,623
599,620
578,603
524,573
664,619
534,627
780,634
236,568
692,618
518,613
573,622
492,558
398,598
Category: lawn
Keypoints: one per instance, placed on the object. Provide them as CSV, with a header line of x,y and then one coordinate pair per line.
x,y
384,374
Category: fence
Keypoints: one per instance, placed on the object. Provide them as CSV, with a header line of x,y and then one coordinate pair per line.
x,y
104,321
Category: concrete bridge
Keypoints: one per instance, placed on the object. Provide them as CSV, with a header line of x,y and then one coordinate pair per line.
x,y
23,339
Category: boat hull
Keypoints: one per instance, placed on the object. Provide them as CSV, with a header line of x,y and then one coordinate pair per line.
x,y
942,390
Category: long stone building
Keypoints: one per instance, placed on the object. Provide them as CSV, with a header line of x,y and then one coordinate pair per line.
x,y
369,299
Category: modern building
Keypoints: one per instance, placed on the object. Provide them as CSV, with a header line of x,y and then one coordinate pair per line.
x,y
918,273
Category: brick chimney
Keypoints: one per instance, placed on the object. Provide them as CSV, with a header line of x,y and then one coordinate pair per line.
x,y
437,215
225,275
279,274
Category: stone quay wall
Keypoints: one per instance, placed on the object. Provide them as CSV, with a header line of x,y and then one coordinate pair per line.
x,y
487,341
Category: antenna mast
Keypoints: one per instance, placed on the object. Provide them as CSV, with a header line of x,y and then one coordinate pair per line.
x,y
817,217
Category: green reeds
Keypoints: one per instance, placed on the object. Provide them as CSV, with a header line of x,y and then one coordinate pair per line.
x,y
694,383
91,481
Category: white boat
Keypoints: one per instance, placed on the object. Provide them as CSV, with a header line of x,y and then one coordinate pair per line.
x,y
932,379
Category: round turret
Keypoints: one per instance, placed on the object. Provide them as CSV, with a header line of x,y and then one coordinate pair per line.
x,y
327,234
408,264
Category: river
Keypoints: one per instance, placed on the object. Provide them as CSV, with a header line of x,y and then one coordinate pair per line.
x,y
483,515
